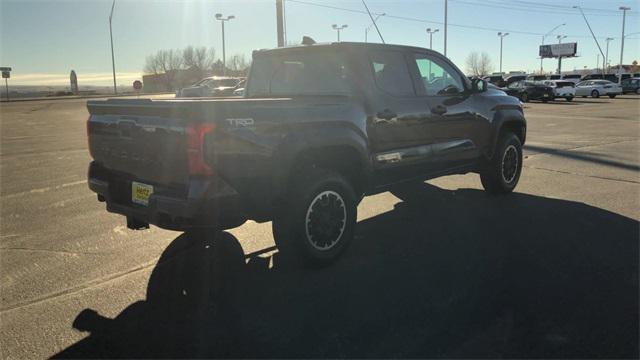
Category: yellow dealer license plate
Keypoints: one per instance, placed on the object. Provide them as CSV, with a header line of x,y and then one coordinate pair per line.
x,y
140,193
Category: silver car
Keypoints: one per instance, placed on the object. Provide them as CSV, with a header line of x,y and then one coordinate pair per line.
x,y
597,88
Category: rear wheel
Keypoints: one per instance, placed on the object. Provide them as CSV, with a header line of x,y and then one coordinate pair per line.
x,y
317,220
503,172
595,94
612,96
569,98
524,97
638,91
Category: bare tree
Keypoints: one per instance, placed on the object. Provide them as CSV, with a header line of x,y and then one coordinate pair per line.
x,y
238,64
198,59
479,64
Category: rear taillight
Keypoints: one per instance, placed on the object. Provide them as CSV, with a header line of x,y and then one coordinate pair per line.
x,y
195,148
89,136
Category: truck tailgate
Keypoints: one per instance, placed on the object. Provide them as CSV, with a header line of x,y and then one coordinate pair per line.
x,y
139,141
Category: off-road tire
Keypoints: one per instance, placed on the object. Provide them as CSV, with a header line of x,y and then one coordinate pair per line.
x,y
502,173
316,221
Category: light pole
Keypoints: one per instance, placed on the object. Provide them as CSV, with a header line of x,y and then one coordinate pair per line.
x,y
501,35
113,59
338,28
366,31
624,16
606,55
431,32
222,19
544,36
560,37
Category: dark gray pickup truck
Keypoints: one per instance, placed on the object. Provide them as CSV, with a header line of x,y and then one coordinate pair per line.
x,y
319,127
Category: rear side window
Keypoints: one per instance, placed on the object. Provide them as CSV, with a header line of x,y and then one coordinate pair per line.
x,y
391,73
309,73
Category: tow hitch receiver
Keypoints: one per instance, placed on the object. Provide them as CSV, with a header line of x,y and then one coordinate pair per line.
x,y
135,224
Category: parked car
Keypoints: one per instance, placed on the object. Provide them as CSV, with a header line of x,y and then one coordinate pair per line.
x,y
596,88
514,78
497,80
320,127
562,88
211,86
536,77
574,78
529,90
609,77
631,85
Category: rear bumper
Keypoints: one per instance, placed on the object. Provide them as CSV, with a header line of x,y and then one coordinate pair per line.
x,y
206,202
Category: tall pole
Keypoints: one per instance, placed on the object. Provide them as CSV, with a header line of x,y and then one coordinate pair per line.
x,y
222,19
606,56
560,37
543,37
597,61
501,35
113,59
445,27
431,32
224,54
624,16
279,22
6,85
590,30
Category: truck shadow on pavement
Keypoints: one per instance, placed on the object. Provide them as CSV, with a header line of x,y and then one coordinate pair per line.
x,y
445,274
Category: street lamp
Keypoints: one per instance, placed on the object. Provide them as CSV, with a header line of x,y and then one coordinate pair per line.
x,y
624,16
222,19
431,32
366,31
606,55
338,28
113,59
501,35
544,36
560,37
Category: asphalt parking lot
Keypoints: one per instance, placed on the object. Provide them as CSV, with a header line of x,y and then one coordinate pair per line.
x,y
437,270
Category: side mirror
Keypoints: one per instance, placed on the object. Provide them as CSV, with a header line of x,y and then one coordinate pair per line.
x,y
479,85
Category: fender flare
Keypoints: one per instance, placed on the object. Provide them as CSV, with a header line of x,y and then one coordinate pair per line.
x,y
315,139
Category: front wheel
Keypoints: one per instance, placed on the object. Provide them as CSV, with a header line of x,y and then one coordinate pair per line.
x,y
317,220
638,91
503,172
524,97
595,94
569,98
612,96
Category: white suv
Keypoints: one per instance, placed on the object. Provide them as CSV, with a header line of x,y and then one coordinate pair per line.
x,y
562,88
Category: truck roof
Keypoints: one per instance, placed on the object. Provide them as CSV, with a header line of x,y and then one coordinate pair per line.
x,y
342,45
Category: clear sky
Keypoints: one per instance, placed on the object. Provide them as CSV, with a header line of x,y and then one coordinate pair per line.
x,y
43,40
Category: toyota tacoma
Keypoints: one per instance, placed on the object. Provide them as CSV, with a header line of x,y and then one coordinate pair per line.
x,y
318,128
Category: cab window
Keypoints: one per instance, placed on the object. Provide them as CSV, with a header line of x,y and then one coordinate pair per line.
x,y
391,73
437,78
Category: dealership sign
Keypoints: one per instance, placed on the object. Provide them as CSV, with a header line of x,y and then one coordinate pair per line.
x,y
558,50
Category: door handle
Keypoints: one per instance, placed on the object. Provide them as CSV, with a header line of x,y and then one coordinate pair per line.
x,y
386,115
439,109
